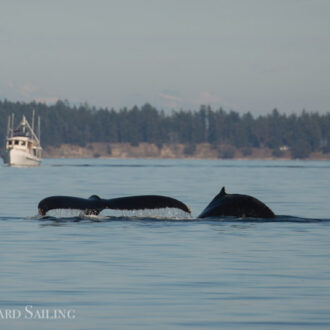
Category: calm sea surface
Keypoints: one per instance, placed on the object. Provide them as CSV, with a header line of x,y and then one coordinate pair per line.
x,y
162,270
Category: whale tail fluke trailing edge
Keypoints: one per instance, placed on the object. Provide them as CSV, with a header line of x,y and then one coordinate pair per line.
x,y
94,204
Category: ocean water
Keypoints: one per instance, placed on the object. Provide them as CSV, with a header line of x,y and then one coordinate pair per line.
x,y
164,269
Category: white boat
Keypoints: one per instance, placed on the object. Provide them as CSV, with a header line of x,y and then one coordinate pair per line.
x,y
22,144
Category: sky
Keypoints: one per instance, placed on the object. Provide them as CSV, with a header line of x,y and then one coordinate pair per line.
x,y
242,55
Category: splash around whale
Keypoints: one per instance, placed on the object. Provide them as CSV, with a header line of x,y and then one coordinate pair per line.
x,y
223,204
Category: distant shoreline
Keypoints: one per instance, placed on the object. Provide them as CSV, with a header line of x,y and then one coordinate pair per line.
x,y
169,151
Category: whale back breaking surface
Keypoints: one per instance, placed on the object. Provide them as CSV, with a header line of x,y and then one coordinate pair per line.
x,y
236,205
94,204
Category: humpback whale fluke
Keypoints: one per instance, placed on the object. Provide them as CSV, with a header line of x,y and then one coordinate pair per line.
x,y
236,205
94,204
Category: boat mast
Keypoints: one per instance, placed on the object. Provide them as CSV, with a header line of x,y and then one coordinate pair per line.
x,y
23,123
12,125
8,127
39,132
33,120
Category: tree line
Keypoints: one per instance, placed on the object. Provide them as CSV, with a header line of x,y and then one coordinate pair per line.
x,y
63,123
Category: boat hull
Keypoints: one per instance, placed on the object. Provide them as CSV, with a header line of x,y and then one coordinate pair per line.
x,y
15,157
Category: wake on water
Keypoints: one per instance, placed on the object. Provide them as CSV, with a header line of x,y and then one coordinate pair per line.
x,y
165,214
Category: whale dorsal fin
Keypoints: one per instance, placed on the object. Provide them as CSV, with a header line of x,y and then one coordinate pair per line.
x,y
218,197
94,197
222,192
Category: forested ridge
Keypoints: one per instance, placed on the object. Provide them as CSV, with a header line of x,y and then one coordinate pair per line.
x,y
62,123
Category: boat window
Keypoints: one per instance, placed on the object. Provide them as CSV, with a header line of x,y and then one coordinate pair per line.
x,y
9,143
34,152
23,143
16,142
